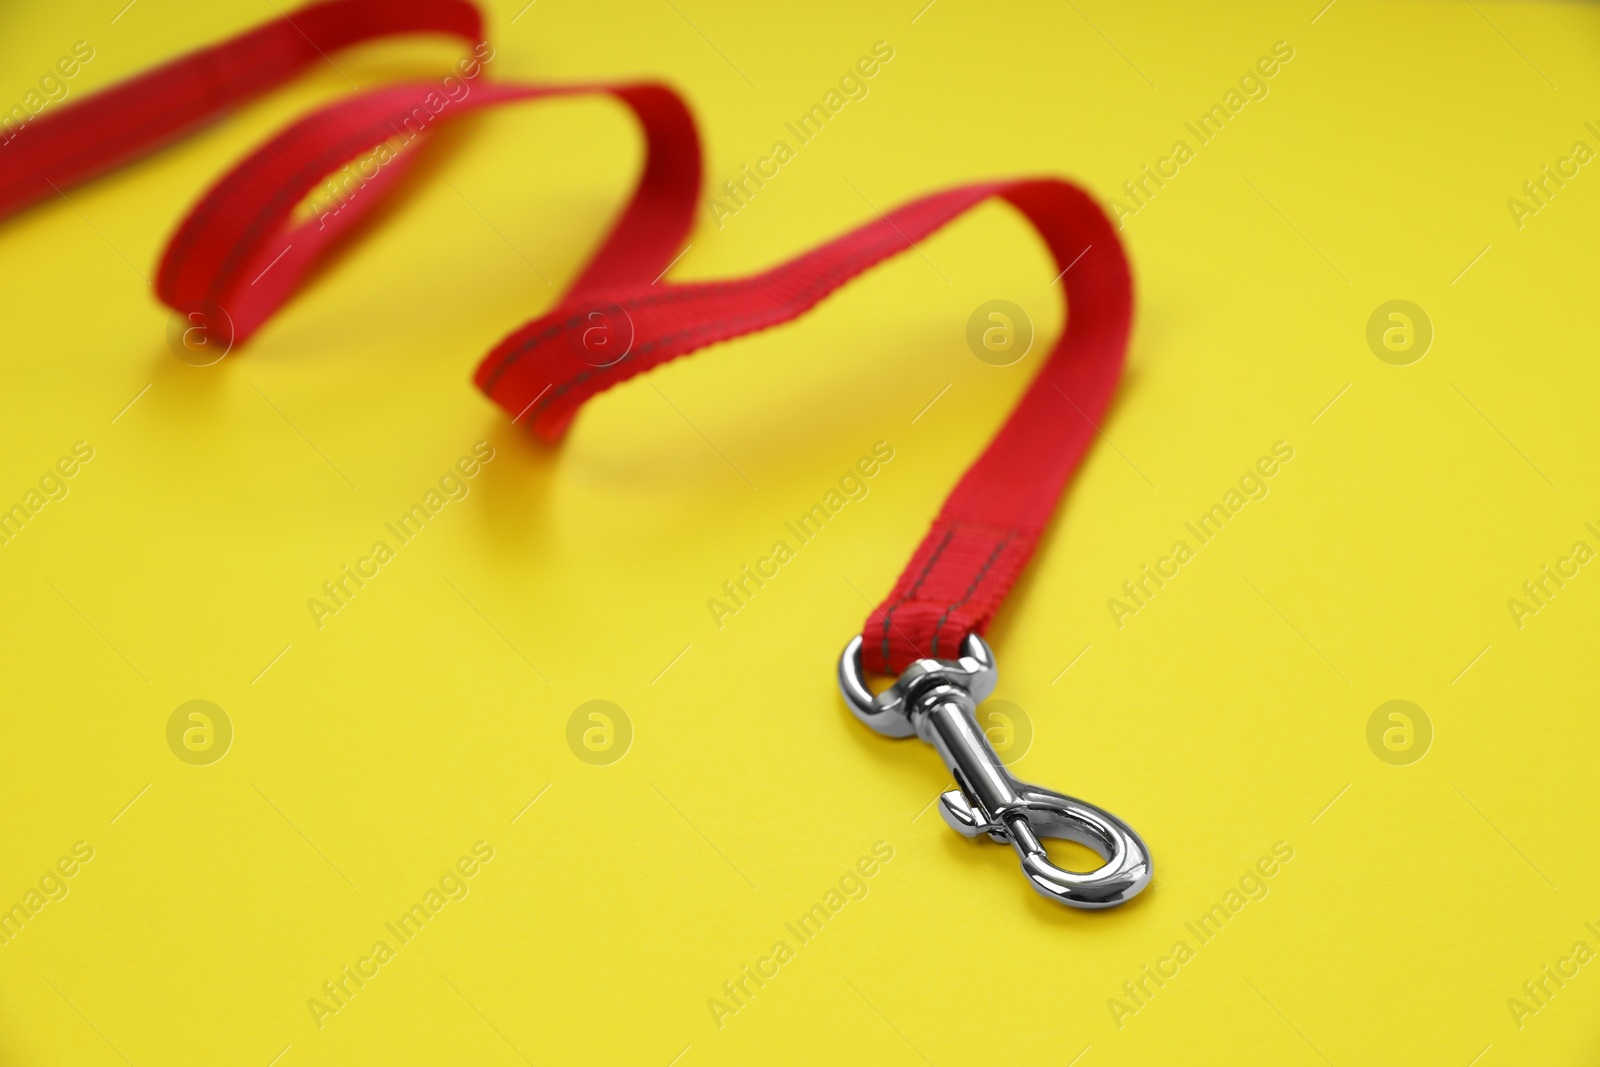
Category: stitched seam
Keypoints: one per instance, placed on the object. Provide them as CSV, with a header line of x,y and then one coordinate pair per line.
x,y
970,590
888,614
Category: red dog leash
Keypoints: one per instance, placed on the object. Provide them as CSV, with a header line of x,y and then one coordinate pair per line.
x,y
620,318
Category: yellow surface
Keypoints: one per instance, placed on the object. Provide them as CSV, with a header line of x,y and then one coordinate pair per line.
x,y
1228,715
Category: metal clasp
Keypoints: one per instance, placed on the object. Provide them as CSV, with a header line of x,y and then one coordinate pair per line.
x,y
936,700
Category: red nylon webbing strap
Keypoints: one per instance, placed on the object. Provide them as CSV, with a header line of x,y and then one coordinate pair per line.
x,y
239,251
989,525
115,125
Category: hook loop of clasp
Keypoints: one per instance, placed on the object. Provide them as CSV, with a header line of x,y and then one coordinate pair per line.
x,y
936,700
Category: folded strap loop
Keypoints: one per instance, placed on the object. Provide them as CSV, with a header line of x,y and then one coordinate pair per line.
x,y
239,251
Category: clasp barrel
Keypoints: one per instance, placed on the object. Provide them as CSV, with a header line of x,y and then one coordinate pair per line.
x,y
936,701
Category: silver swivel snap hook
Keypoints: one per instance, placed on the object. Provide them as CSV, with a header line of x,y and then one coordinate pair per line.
x,y
935,700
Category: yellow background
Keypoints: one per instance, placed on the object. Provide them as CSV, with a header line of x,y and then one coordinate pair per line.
x,y
424,717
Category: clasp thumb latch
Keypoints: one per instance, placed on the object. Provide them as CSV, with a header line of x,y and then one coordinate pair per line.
x,y
936,700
